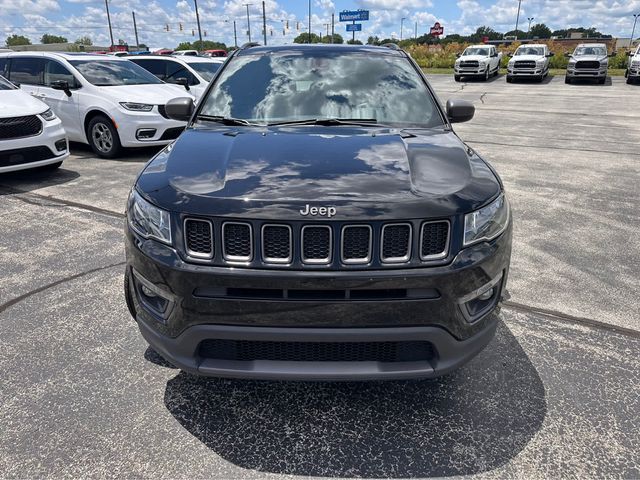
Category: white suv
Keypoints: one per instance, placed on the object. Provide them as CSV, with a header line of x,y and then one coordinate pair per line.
x,y
478,61
30,133
633,72
529,61
105,101
194,73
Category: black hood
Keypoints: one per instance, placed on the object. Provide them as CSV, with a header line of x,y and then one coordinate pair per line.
x,y
271,172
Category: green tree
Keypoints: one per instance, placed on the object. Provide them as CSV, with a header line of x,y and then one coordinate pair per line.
x,y
354,42
337,38
47,38
485,31
516,33
373,41
15,40
208,45
83,41
540,30
304,38
184,46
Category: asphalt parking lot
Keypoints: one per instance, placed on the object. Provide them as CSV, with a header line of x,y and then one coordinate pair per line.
x,y
557,393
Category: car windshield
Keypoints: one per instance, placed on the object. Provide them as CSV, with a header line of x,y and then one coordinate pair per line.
x,y
111,73
600,51
476,51
530,51
206,69
6,84
292,86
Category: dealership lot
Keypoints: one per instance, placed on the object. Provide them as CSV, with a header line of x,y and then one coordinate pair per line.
x,y
556,393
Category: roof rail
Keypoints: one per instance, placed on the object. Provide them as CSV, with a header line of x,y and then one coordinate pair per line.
x,y
392,46
249,45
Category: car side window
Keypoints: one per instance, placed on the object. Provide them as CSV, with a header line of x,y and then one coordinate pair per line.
x,y
55,71
3,67
156,67
176,70
27,70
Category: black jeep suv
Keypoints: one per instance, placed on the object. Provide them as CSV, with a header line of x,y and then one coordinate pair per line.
x,y
318,219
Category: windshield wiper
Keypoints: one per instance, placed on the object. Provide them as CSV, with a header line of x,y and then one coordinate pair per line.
x,y
329,122
227,120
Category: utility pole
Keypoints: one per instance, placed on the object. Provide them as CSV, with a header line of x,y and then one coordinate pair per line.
x,y
106,4
531,19
198,20
415,32
401,26
518,17
327,25
633,32
135,29
235,34
309,21
264,24
248,22
333,25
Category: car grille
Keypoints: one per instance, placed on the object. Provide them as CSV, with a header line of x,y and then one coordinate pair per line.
x,y
20,127
525,64
251,350
587,65
469,64
22,156
300,245
172,133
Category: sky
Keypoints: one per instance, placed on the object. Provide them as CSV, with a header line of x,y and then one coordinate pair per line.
x,y
76,18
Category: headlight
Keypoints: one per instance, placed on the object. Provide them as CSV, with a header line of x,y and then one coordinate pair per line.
x,y
136,107
148,220
48,115
486,223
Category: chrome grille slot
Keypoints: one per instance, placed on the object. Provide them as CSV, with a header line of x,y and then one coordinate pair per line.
x,y
198,238
316,244
396,243
434,240
356,244
237,242
277,244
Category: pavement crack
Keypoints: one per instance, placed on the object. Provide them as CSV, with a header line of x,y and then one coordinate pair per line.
x,y
482,97
69,278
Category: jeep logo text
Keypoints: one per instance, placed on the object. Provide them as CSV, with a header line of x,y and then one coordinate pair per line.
x,y
322,211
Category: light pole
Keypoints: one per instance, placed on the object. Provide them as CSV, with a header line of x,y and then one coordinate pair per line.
x,y
518,17
309,21
106,4
401,26
531,19
633,32
198,20
248,22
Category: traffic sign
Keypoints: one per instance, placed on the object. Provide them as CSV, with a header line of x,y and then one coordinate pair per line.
x,y
354,27
354,16
437,30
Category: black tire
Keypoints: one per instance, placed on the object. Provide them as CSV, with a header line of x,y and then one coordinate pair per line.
x,y
567,80
487,74
630,81
540,79
103,137
127,295
509,79
456,78
602,81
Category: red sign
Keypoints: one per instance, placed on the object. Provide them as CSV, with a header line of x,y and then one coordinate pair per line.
x,y
437,30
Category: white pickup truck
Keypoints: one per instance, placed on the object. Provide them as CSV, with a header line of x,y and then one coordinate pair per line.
x,y
478,61
529,61
633,72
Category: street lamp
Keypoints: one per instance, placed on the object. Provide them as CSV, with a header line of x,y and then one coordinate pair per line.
x,y
518,17
635,20
531,19
248,22
309,21
401,26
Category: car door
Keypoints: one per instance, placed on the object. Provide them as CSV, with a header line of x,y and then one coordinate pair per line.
x,y
27,72
67,107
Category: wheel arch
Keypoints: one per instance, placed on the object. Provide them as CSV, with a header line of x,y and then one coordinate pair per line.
x,y
90,115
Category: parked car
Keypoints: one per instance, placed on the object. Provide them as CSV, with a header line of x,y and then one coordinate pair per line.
x,y
529,61
633,70
194,73
190,53
30,133
326,223
105,101
478,61
588,60
214,53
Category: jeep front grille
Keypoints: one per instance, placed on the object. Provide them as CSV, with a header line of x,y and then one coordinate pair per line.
x,y
261,244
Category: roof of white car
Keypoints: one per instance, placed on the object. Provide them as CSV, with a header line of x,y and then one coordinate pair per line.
x,y
479,46
532,45
180,59
604,45
67,55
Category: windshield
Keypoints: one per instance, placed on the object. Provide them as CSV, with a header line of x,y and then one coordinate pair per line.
x,y
530,51
476,51
295,86
206,69
6,84
111,73
600,51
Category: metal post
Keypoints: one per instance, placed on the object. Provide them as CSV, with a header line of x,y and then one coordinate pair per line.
x,y
235,34
518,17
333,25
353,38
309,21
415,32
106,4
401,26
531,19
135,29
248,22
634,29
198,20
264,24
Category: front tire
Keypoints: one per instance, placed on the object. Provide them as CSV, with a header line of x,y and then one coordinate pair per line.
x,y
487,74
457,78
630,81
127,295
509,79
602,81
567,80
103,137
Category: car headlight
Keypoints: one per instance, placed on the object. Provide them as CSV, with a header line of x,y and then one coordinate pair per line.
x,y
148,220
487,223
136,107
48,115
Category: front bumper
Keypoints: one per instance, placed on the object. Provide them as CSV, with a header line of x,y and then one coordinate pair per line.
x,y
470,72
141,129
202,307
584,73
634,71
525,72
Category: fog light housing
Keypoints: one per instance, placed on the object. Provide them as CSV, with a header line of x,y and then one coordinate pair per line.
x,y
481,301
145,133
61,145
155,301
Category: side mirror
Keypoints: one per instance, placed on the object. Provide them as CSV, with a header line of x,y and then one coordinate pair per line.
x,y
551,54
184,82
457,55
180,109
568,55
459,111
510,55
61,85
630,54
